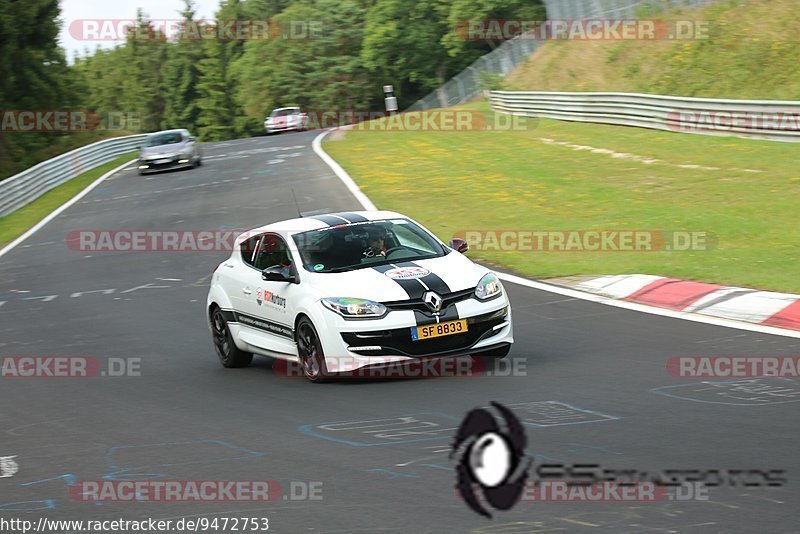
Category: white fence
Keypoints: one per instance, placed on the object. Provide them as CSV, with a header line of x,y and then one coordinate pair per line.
x,y
775,120
25,187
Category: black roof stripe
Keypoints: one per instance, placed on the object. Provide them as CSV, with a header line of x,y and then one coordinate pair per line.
x,y
352,217
330,220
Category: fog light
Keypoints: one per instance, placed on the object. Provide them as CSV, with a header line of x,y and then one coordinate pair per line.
x,y
183,161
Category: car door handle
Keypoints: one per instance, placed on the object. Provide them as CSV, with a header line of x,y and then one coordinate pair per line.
x,y
247,291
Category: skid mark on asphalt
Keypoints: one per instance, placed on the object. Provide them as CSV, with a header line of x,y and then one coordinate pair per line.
x,y
389,431
137,290
412,428
175,454
746,392
406,434
553,413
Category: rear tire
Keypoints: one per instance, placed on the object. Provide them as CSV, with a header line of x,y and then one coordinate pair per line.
x,y
309,350
229,354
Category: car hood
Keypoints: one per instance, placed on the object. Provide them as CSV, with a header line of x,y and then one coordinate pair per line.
x,y
159,150
453,272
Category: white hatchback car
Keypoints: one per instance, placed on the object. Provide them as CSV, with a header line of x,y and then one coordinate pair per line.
x,y
346,291
285,120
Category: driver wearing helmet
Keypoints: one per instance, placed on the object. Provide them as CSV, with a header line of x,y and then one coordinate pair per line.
x,y
377,242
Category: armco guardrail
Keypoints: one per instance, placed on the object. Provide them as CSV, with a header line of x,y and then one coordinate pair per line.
x,y
775,120
25,187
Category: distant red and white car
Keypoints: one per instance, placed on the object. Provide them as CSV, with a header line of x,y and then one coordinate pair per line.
x,y
345,291
286,119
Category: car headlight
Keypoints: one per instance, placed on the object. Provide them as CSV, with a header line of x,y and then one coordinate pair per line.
x,y
488,287
351,308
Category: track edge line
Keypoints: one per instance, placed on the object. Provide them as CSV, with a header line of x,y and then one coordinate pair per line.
x,y
59,210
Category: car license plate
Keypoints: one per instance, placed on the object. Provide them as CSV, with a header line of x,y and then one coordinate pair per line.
x,y
162,161
419,333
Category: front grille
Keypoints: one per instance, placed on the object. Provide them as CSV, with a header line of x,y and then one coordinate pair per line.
x,y
398,342
417,304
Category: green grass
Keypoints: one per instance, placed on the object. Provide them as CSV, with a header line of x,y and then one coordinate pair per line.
x,y
17,223
512,180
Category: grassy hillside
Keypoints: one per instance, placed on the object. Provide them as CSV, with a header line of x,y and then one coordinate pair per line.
x,y
753,52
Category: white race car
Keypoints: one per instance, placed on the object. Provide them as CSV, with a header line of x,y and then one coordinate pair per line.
x,y
285,119
346,291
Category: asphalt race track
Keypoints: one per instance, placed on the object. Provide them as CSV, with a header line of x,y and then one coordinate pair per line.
x,y
591,385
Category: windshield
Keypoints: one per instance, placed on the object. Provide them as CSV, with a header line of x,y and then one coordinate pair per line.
x,y
284,112
164,139
354,246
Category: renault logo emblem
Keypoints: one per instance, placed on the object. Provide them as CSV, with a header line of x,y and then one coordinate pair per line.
x,y
432,301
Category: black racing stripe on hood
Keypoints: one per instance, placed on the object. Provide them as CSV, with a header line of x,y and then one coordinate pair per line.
x,y
432,280
330,220
421,319
413,289
450,314
352,217
436,284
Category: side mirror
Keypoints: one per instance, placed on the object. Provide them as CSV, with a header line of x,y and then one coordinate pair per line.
x,y
459,245
278,274
192,139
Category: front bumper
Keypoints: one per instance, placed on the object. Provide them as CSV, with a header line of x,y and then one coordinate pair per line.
x,y
175,162
350,345
277,129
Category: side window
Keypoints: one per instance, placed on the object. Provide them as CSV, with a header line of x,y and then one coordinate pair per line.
x,y
410,239
273,252
250,248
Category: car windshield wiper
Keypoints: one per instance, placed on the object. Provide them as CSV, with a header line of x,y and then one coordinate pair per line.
x,y
343,269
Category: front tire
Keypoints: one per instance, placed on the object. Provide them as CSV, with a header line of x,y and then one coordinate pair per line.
x,y
309,350
229,354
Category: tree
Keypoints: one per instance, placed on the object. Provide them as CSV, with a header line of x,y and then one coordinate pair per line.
x,y
402,45
182,74
215,119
